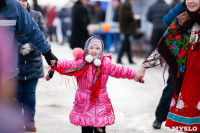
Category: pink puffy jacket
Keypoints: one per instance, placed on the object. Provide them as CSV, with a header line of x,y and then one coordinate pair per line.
x,y
100,112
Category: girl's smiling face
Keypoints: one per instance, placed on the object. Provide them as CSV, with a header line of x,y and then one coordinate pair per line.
x,y
94,51
193,5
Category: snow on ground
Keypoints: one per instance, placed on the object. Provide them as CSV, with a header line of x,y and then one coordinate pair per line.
x,y
134,103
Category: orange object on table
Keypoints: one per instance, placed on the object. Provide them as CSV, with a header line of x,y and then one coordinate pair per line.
x,y
105,27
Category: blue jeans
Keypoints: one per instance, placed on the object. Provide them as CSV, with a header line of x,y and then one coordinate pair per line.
x,y
27,100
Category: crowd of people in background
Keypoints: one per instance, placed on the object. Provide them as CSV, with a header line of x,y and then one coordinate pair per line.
x,y
69,25
59,21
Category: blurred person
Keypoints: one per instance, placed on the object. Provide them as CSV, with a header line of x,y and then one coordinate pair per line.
x,y
164,104
116,5
10,120
80,21
23,24
155,14
30,70
7,85
175,2
90,9
16,19
179,48
127,29
65,16
37,7
179,8
51,15
92,108
99,13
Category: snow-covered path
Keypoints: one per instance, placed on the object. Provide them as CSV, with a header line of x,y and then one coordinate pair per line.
x,y
134,103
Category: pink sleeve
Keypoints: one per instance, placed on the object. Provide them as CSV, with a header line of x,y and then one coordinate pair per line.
x,y
119,71
68,64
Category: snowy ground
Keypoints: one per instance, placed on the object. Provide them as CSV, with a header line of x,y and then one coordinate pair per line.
x,y
134,103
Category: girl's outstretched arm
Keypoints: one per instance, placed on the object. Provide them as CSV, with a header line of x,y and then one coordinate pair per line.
x,y
62,64
68,64
119,71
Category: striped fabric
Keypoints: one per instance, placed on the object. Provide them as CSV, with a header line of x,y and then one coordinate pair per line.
x,y
8,22
184,120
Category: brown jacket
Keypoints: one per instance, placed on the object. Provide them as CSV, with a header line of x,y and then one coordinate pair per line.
x,y
126,19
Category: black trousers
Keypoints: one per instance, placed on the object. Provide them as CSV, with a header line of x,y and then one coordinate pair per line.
x,y
165,100
51,32
125,48
156,36
91,129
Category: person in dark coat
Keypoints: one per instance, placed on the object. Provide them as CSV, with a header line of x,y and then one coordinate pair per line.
x,y
80,21
127,29
99,13
116,5
30,69
37,7
174,3
15,19
65,16
155,14
165,100
90,9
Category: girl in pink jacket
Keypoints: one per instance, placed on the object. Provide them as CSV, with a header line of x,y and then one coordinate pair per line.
x,y
92,107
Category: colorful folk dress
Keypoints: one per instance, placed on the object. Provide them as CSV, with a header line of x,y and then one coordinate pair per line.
x,y
184,113
179,52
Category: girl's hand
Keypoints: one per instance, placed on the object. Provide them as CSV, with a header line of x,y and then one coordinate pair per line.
x,y
140,73
53,62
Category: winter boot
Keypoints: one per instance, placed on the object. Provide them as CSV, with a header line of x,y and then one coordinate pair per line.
x,y
157,124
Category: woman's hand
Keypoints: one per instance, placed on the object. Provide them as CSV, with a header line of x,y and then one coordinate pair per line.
x,y
140,73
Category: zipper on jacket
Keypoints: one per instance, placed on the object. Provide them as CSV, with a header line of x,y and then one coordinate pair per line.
x,y
25,62
95,111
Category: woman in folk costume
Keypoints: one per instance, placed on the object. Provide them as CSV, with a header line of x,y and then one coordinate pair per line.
x,y
179,47
92,107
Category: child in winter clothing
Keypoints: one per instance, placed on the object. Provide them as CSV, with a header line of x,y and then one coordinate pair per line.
x,y
92,107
